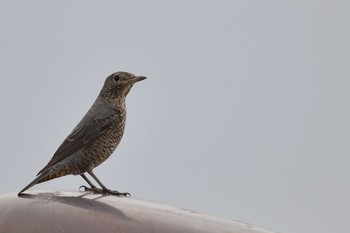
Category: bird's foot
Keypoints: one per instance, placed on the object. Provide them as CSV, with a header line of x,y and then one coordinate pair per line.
x,y
104,191
116,193
91,189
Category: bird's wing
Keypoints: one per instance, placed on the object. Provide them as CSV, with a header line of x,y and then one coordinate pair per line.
x,y
94,123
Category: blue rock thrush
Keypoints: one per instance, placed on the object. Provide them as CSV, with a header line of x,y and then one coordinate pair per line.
x,y
95,138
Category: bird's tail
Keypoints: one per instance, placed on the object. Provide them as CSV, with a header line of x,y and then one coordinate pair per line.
x,y
40,178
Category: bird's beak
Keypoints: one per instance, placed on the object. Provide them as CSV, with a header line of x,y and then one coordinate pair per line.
x,y
137,79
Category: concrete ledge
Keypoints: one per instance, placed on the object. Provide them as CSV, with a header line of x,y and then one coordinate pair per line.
x,y
70,211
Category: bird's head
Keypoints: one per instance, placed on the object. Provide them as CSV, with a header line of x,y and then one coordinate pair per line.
x,y
118,85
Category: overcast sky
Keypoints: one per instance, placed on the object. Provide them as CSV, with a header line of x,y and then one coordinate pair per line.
x,y
245,112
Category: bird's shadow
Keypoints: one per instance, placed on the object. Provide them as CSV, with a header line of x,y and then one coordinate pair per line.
x,y
79,201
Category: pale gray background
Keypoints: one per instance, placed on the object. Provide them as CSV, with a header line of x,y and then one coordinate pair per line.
x,y
245,113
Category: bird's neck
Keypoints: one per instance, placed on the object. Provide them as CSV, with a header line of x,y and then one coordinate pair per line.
x,y
116,101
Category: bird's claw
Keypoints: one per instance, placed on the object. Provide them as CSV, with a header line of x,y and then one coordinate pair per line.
x,y
91,189
85,188
116,193
102,191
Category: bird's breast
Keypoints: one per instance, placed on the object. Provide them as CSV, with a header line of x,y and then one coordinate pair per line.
x,y
100,149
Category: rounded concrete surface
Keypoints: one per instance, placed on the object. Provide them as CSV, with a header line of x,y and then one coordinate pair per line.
x,y
85,212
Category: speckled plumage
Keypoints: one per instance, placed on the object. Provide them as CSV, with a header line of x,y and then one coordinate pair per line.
x,y
96,136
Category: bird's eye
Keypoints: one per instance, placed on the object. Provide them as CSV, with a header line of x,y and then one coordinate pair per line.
x,y
116,78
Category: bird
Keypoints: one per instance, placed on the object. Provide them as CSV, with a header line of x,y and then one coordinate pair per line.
x,y
95,137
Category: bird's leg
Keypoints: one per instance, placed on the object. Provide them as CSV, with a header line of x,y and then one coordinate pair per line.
x,y
106,190
92,186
